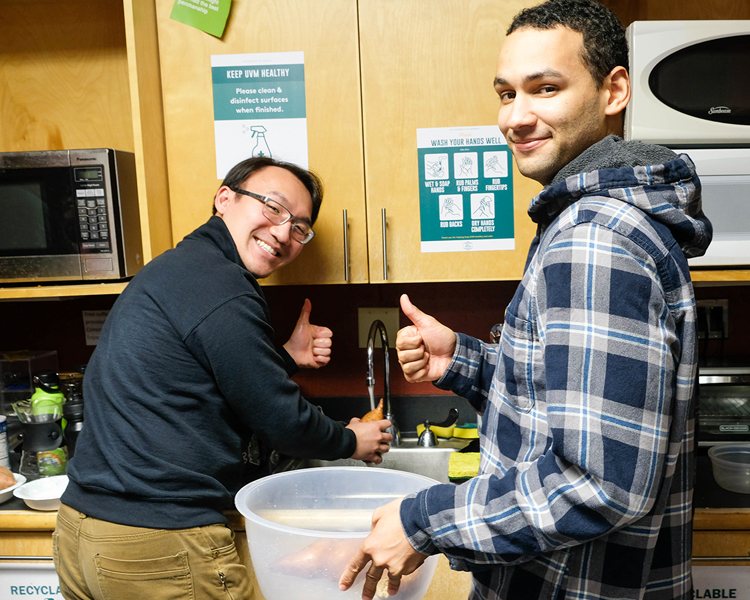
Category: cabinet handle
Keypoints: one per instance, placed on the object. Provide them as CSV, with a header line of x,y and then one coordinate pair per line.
x,y
385,247
346,248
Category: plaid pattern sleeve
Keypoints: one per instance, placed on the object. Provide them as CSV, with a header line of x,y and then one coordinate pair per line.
x,y
585,483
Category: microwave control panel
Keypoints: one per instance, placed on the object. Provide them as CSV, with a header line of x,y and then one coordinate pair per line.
x,y
91,201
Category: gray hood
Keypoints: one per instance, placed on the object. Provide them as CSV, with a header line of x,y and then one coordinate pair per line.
x,y
652,178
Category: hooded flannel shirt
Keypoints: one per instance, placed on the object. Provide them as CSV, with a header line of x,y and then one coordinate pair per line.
x,y
586,477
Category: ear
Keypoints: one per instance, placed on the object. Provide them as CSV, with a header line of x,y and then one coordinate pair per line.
x,y
223,197
617,88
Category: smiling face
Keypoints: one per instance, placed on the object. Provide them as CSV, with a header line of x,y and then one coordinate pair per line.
x,y
263,246
550,107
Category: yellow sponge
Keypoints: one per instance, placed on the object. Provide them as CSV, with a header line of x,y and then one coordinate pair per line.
x,y
468,432
458,431
463,465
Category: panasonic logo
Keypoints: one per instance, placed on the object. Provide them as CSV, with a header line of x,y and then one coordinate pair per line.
x,y
719,110
93,158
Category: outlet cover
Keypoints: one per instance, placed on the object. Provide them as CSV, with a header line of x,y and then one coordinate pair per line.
x,y
389,317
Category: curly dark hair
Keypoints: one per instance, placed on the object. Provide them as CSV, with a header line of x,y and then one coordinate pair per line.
x,y
605,45
241,171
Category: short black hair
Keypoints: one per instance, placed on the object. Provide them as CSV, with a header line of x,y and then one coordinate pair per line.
x,y
605,45
241,171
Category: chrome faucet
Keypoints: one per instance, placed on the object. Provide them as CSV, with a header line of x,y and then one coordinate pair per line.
x,y
377,326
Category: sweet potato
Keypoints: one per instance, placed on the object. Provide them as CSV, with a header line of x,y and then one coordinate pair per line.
x,y
6,478
374,415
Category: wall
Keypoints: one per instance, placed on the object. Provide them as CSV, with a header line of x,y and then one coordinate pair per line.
x,y
467,307
658,10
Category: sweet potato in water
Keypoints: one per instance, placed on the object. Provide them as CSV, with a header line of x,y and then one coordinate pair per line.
x,y
374,415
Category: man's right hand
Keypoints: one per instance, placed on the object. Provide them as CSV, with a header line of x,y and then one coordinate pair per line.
x,y
372,439
426,348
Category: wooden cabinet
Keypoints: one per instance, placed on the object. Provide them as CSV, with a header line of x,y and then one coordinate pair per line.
x,y
26,533
719,533
85,74
417,64
426,65
326,31
123,74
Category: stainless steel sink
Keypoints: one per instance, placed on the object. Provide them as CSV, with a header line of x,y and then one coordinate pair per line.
x,y
431,462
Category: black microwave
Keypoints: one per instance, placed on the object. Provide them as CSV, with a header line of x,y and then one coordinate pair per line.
x,y
69,215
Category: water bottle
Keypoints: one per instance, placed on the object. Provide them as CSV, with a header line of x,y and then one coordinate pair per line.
x,y
73,413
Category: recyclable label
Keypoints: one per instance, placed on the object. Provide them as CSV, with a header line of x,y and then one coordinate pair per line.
x,y
721,582
30,581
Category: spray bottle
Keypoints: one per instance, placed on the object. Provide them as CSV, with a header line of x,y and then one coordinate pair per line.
x,y
261,146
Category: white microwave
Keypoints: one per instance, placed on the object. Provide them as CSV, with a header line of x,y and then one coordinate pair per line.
x,y
691,93
690,83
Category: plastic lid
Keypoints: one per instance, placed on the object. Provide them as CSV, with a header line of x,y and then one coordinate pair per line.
x,y
73,408
47,381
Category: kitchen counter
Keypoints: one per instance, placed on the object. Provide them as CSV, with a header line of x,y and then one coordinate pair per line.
x,y
28,533
721,529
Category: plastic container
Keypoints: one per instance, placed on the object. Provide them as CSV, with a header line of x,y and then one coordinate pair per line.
x,y
16,373
43,494
304,527
731,466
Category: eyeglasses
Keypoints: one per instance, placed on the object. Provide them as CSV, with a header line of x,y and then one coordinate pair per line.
x,y
279,214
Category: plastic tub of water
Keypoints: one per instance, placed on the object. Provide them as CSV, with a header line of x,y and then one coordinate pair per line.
x,y
304,527
731,466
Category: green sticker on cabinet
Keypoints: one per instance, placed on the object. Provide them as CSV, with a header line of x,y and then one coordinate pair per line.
x,y
207,15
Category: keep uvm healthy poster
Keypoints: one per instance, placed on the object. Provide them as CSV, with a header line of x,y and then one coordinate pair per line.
x,y
465,190
259,108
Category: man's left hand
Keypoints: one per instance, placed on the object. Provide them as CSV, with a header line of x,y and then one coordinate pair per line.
x,y
387,548
310,345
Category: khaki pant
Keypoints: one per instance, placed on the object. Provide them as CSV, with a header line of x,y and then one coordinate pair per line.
x,y
99,560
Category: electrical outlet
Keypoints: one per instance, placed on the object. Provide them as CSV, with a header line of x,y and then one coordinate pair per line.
x,y
389,317
713,319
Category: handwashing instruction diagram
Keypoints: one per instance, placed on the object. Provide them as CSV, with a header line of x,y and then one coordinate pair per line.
x,y
465,190
259,108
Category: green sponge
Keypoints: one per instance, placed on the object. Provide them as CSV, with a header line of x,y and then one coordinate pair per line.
x,y
463,465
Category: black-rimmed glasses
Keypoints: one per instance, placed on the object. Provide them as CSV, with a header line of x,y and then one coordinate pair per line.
x,y
279,214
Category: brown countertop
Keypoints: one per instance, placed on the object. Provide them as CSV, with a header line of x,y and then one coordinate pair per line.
x,y
35,520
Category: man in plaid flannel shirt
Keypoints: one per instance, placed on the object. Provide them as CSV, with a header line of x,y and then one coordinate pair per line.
x,y
586,477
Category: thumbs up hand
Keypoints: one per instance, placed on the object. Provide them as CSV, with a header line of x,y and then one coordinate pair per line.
x,y
424,349
310,345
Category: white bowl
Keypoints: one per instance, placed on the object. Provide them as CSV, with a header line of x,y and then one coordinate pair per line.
x,y
7,493
43,494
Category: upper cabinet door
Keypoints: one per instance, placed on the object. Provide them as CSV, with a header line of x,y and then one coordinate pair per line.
x,y
326,31
424,65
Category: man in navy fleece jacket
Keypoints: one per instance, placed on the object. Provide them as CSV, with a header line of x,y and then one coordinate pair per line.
x,y
184,374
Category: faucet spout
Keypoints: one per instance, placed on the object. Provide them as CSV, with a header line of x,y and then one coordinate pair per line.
x,y
378,327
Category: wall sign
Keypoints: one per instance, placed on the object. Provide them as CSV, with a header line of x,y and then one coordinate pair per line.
x,y
259,108
465,189
31,581
721,582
